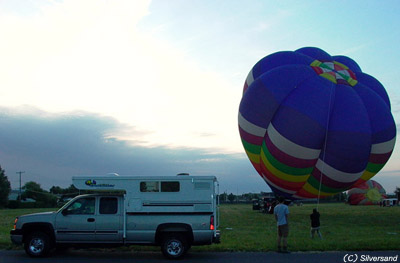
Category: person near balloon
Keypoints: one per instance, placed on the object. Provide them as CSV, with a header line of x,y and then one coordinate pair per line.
x,y
315,223
281,213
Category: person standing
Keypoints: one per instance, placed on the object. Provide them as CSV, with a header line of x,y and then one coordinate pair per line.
x,y
281,213
315,224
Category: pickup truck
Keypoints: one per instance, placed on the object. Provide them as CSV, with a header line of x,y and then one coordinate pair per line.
x,y
171,212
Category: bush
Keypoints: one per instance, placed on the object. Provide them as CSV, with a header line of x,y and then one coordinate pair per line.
x,y
13,204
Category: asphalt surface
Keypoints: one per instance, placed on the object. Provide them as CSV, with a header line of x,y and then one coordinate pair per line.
x,y
19,256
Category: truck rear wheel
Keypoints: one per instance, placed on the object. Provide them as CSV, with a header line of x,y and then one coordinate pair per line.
x,y
37,244
174,246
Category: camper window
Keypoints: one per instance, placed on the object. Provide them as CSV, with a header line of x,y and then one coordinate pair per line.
x,y
170,187
149,187
154,186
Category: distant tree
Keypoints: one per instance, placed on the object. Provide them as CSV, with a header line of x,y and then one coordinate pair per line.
x,y
32,190
5,188
223,197
56,190
250,196
246,196
71,190
231,197
43,198
342,196
339,197
64,194
64,191
397,192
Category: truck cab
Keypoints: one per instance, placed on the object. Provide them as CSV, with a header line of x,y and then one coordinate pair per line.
x,y
173,212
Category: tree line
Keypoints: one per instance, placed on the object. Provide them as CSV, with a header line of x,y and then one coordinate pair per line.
x,y
33,190
57,195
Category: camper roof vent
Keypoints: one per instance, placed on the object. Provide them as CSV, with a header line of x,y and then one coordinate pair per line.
x,y
183,174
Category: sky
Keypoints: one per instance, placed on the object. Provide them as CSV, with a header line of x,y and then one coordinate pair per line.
x,y
153,87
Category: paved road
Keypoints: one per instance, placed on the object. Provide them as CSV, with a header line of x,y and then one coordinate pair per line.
x,y
223,257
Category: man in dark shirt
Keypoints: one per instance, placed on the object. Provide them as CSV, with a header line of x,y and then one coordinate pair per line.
x,y
315,224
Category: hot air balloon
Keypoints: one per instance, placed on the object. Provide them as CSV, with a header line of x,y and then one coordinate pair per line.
x,y
313,125
367,193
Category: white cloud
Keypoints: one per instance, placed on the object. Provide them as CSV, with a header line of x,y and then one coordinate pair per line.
x,y
89,55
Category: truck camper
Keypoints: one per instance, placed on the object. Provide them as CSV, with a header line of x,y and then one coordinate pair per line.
x,y
173,212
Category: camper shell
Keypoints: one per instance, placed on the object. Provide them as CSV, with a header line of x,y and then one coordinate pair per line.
x,y
174,212
158,194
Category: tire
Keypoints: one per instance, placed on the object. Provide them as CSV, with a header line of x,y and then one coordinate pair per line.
x,y
174,246
37,244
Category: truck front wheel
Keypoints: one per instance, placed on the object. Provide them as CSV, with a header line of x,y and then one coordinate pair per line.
x,y
37,244
174,246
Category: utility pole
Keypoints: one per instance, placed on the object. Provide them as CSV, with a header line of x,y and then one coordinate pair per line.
x,y
20,191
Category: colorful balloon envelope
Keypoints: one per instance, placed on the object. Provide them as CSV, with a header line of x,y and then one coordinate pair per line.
x,y
366,193
313,125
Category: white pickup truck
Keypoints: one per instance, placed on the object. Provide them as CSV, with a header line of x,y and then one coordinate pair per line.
x,y
174,212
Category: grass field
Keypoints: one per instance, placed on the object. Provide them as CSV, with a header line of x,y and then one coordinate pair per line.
x,y
343,228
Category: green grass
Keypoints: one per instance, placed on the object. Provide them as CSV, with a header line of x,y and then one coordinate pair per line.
x,y
343,227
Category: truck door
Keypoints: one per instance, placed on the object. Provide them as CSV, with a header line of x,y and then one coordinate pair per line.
x,y
77,222
109,220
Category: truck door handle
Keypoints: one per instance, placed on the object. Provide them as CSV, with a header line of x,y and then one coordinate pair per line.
x,y
91,220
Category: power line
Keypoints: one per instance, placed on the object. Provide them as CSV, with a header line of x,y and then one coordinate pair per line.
x,y
47,193
20,191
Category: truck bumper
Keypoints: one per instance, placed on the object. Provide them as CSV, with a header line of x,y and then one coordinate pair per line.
x,y
16,237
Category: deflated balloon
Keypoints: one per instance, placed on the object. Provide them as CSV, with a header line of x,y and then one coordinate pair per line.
x,y
313,125
367,193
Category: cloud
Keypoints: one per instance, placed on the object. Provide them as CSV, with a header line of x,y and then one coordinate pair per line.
x,y
51,148
92,56
272,21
